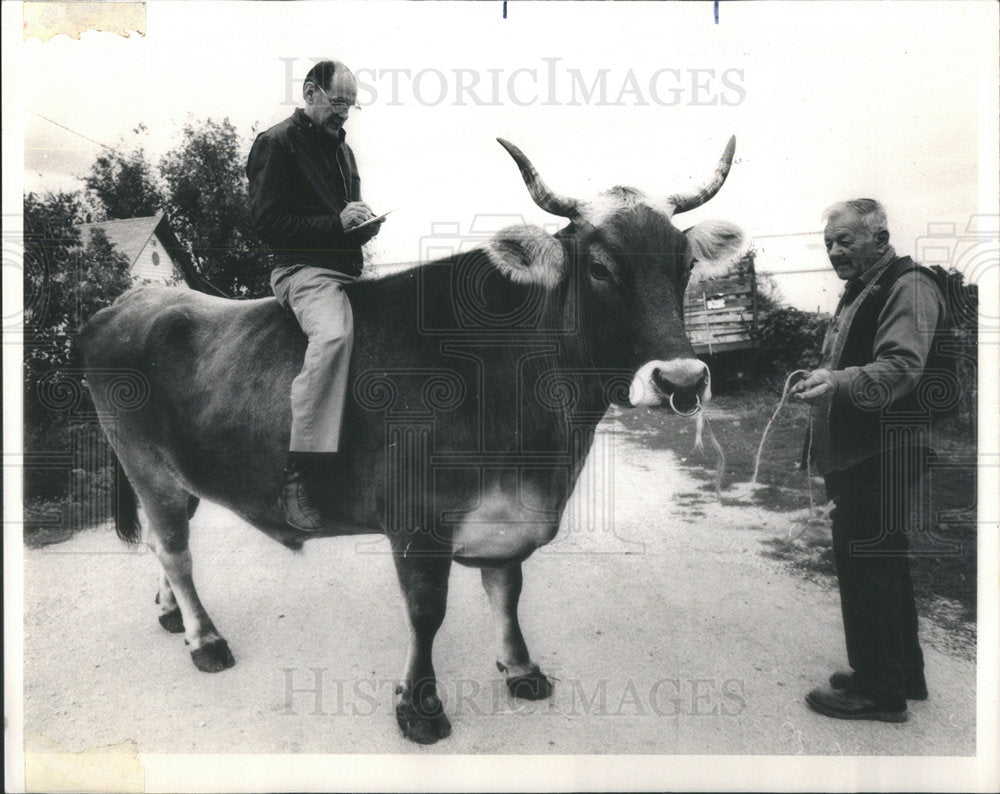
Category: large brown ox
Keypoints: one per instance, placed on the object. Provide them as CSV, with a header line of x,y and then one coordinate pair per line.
x,y
477,381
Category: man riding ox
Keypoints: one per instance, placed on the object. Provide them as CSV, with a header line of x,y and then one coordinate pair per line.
x,y
476,382
305,197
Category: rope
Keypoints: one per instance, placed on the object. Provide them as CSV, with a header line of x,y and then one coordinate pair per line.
x,y
720,458
784,396
760,449
701,423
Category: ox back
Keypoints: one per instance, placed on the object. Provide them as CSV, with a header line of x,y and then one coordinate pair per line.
x,y
448,406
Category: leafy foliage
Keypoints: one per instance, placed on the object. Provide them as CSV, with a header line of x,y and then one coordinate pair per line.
x,y
961,340
208,206
64,284
790,339
769,295
125,186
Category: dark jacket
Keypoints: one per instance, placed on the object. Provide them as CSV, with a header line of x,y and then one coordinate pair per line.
x,y
300,181
877,346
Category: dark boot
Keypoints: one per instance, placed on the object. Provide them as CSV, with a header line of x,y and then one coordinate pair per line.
x,y
847,705
844,679
299,510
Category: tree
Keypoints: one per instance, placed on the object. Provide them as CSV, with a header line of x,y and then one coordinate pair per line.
x,y
769,295
64,284
207,203
125,185
960,341
790,339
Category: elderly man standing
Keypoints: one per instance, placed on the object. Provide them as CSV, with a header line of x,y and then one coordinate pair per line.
x,y
868,440
305,198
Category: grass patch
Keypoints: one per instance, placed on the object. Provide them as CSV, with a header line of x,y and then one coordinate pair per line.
x,y
45,523
943,556
738,421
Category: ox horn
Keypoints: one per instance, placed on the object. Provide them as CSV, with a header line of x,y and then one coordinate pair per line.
x,y
682,202
557,204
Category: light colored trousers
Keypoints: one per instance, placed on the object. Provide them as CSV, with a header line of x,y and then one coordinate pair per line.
x,y
317,299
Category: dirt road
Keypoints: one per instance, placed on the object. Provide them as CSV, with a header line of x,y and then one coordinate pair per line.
x,y
668,629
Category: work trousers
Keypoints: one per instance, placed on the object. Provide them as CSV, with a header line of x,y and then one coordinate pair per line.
x,y
871,522
316,297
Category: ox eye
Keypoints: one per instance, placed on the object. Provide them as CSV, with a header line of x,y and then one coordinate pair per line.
x,y
600,272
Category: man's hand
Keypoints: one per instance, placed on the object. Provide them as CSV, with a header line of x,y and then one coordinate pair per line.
x,y
816,388
356,213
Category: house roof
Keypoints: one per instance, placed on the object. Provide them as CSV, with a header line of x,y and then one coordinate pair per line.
x,y
129,235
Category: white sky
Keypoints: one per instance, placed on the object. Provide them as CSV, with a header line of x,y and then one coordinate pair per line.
x,y
831,101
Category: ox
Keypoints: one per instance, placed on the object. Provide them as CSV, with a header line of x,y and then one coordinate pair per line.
x,y
477,381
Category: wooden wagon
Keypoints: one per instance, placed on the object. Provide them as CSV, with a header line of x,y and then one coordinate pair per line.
x,y
720,315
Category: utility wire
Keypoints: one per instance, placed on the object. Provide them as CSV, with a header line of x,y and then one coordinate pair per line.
x,y
795,272
785,234
68,129
198,274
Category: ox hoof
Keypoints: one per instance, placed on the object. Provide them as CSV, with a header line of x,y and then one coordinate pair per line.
x,y
424,724
213,656
172,621
532,686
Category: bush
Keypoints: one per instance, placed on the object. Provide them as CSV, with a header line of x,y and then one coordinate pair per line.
x,y
207,204
66,476
790,339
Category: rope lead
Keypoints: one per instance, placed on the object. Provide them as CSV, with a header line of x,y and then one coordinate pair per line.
x,y
760,449
700,424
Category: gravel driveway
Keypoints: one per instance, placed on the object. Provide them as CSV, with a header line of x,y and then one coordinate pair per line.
x,y
667,629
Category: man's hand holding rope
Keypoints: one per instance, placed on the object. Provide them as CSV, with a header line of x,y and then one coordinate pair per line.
x,y
816,388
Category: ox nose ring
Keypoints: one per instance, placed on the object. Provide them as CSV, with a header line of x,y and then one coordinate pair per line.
x,y
692,412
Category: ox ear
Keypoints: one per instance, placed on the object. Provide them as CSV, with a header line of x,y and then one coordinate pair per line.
x,y
715,245
528,255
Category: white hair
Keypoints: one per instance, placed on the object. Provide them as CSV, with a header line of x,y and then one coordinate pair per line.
x,y
870,212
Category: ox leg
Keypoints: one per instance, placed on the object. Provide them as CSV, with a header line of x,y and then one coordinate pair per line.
x,y
524,679
424,582
167,536
170,613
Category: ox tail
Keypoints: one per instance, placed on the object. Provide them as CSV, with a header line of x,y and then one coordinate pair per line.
x,y
126,508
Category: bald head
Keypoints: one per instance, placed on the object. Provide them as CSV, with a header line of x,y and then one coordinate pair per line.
x,y
330,90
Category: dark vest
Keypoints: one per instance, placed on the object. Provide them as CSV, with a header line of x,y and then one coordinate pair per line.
x,y
861,415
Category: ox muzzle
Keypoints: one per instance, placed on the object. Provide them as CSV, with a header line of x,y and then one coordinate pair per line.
x,y
682,383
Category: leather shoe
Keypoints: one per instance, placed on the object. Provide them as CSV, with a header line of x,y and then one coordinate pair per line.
x,y
844,704
300,513
844,679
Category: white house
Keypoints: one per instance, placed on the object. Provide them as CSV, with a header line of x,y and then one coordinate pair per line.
x,y
154,253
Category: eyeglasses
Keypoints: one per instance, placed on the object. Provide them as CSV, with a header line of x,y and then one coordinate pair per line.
x,y
339,107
